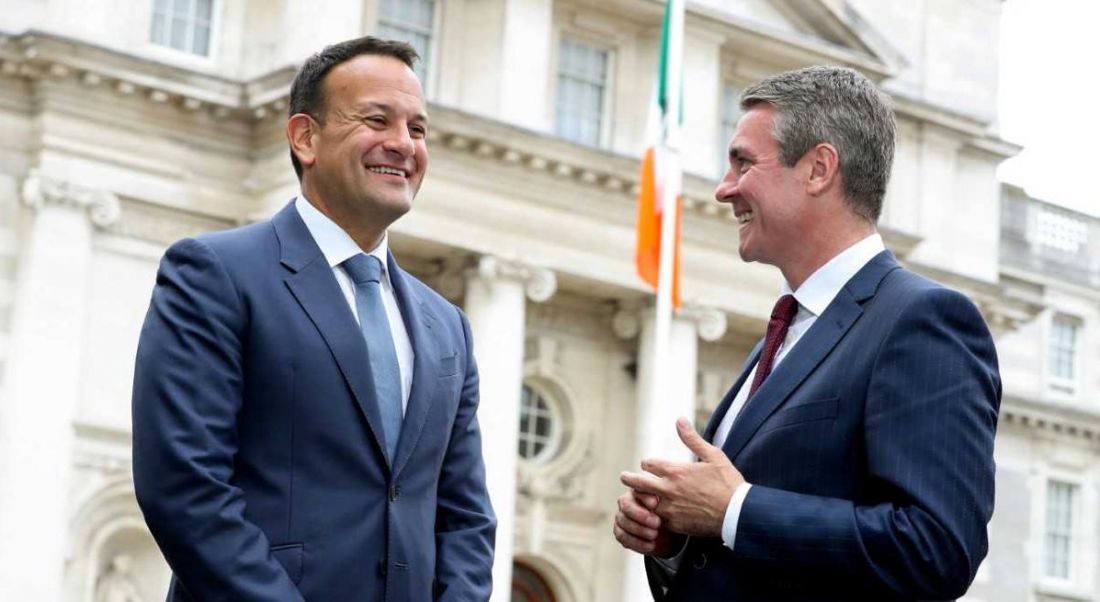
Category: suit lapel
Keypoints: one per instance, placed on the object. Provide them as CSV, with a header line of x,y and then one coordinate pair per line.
x,y
426,349
727,400
814,346
316,290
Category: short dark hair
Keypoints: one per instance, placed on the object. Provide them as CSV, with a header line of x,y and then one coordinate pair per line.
x,y
839,106
307,91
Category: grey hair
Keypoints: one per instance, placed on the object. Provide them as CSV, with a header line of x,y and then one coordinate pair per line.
x,y
839,106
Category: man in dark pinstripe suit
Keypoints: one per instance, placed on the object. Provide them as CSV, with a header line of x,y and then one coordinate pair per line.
x,y
853,458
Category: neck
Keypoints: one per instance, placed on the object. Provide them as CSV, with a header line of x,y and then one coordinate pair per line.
x,y
362,229
821,245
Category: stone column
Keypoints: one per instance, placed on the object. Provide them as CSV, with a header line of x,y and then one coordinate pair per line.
x,y
496,294
41,381
655,419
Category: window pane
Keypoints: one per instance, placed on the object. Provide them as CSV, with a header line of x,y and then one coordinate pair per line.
x,y
409,21
201,44
204,9
582,72
1063,348
178,39
1061,501
158,34
537,424
182,9
183,24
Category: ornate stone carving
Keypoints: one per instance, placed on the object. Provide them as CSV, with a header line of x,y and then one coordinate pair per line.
x,y
709,322
39,190
539,283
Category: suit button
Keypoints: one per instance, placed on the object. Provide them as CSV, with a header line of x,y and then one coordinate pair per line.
x,y
700,561
395,492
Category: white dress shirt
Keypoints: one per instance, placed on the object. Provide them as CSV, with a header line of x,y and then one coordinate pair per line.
x,y
815,294
337,247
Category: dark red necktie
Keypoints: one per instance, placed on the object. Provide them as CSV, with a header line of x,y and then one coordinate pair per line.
x,y
782,314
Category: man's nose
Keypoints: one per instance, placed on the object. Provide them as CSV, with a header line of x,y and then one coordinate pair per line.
x,y
727,187
398,140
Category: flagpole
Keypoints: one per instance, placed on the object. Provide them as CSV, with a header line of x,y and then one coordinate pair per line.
x,y
670,199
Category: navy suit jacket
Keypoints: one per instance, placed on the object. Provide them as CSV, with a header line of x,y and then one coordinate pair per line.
x,y
870,451
258,459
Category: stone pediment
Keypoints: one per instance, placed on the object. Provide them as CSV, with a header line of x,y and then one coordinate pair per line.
x,y
802,32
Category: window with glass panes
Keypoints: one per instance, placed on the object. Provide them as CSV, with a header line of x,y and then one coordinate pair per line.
x,y
411,21
183,24
538,425
731,113
582,87
1062,353
1058,548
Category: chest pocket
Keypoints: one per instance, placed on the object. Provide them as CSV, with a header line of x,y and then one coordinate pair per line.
x,y
810,411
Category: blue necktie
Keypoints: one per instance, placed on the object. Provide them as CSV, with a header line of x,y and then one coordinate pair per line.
x,y
366,273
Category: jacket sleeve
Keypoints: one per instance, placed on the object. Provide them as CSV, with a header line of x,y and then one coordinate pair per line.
x,y
465,525
186,398
930,418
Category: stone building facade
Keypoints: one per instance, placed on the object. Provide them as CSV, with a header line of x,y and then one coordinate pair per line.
x,y
131,123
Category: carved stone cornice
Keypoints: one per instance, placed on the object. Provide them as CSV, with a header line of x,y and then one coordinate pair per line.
x,y
1005,305
1071,421
710,323
40,190
539,283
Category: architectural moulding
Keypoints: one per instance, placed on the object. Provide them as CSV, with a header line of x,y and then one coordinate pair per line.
x,y
710,323
836,41
162,225
40,190
539,284
561,477
1072,422
1005,305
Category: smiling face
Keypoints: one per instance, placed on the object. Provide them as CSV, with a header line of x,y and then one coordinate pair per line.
x,y
768,198
367,155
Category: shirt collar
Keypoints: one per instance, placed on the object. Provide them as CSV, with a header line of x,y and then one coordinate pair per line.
x,y
819,290
335,243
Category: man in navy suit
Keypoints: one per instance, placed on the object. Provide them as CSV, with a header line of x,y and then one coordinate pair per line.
x,y
853,457
304,411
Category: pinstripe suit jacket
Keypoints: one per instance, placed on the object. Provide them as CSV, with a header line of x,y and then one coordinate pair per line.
x,y
870,451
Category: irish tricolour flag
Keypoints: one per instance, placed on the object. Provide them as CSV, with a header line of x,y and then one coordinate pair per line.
x,y
658,252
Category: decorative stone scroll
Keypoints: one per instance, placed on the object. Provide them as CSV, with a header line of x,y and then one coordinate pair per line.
x,y
40,190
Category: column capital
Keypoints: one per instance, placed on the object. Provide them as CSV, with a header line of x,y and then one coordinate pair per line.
x,y
710,322
539,284
40,190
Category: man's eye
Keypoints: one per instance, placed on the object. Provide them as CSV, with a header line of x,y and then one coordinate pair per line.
x,y
376,120
418,132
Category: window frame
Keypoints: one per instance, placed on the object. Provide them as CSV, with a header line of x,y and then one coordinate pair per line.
x,y
592,40
430,61
1056,386
1074,541
173,53
554,443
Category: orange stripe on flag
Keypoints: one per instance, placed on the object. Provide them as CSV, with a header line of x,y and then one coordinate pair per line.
x,y
648,252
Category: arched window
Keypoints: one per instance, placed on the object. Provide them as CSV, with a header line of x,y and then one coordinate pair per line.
x,y
539,425
529,586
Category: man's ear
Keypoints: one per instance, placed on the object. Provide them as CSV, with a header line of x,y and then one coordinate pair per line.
x,y
301,131
824,167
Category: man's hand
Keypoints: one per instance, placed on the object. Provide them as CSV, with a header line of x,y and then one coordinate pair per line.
x,y
692,497
638,528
